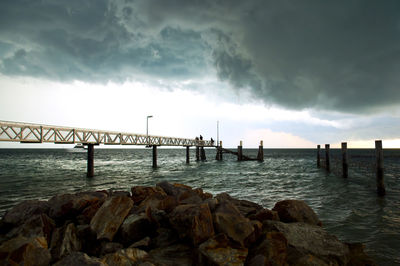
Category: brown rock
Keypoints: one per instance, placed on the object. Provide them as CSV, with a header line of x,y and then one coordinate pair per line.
x,y
291,211
135,227
357,256
265,214
189,197
218,251
37,225
127,257
273,248
64,241
168,203
81,259
25,210
110,216
193,221
139,193
173,189
25,251
67,206
154,201
310,239
165,237
110,247
143,243
171,255
228,220
245,207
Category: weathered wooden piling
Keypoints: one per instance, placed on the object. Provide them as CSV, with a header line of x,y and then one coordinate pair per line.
x,y
327,161
345,159
240,151
154,156
197,153
260,155
202,154
187,155
218,157
380,185
90,160
318,156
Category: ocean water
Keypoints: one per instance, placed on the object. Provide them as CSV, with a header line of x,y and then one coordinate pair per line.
x,y
348,208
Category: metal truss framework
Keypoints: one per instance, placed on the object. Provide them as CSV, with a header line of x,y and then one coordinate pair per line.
x,y
35,133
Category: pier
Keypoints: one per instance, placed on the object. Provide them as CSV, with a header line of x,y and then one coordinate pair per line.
x,y
37,133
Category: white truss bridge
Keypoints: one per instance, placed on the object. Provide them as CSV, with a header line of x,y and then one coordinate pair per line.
x,y
36,133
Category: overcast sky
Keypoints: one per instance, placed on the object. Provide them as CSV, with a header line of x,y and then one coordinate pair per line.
x,y
293,73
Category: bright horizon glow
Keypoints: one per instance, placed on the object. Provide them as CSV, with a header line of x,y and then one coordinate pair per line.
x,y
177,113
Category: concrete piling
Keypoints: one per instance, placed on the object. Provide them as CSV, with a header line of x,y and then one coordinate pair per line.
x,y
260,155
318,156
197,153
187,155
327,161
154,156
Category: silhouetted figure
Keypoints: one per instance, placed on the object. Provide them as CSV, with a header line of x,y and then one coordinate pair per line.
x,y
201,137
212,141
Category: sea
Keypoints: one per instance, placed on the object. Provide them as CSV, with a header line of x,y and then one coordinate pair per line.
x,y
348,207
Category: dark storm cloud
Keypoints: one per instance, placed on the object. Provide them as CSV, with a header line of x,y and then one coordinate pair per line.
x,y
333,55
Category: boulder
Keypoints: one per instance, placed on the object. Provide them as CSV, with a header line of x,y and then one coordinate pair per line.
x,y
292,211
25,251
228,220
357,256
37,225
245,207
177,254
79,258
135,227
153,201
310,239
264,214
143,243
173,189
272,250
110,247
66,206
219,251
64,241
165,237
129,256
25,210
193,221
110,216
139,193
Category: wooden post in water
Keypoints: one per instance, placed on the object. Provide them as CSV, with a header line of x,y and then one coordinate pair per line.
x,y
318,156
187,155
197,153
328,168
260,155
90,161
202,153
154,156
219,152
380,185
345,159
240,151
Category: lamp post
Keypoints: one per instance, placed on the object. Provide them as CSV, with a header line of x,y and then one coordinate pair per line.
x,y
217,133
147,128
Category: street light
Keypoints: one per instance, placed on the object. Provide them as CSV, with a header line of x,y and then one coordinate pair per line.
x,y
147,128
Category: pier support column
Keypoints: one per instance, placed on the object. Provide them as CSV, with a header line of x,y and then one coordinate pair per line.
x,y
240,151
260,155
327,161
197,153
187,155
345,158
154,156
318,156
202,153
380,185
90,161
218,157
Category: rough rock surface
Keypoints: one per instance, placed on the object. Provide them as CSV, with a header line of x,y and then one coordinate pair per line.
x,y
168,224
292,211
110,216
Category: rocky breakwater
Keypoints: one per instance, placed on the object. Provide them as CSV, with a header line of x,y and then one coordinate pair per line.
x,y
169,224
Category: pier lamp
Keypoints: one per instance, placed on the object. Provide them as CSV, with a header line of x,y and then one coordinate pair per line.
x,y
147,127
